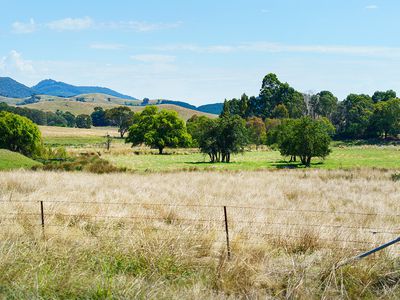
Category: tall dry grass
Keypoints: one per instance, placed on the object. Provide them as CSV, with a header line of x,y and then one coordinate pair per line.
x,y
129,245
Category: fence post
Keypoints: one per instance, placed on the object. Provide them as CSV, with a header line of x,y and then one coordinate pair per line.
x,y
227,233
42,215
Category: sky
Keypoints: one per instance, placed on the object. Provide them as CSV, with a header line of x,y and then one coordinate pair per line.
x,y
203,51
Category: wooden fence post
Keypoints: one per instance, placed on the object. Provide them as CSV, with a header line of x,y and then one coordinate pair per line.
x,y
42,215
227,233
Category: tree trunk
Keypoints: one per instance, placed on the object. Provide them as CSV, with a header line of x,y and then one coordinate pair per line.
x,y
160,150
308,162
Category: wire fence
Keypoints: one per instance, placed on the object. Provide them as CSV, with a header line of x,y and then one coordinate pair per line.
x,y
226,223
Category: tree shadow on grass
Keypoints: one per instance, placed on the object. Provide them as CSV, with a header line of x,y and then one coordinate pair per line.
x,y
208,163
283,164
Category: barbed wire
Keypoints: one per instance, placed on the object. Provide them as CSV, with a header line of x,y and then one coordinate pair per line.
x,y
205,206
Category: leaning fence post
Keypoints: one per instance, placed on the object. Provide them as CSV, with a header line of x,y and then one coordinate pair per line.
x,y
227,233
42,215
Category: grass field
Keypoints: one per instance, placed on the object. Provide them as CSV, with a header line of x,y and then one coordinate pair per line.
x,y
161,236
122,155
11,160
347,157
76,137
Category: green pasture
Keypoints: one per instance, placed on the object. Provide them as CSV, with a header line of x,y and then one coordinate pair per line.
x,y
12,160
345,157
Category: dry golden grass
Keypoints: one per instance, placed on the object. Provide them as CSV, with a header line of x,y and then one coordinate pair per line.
x,y
54,131
177,250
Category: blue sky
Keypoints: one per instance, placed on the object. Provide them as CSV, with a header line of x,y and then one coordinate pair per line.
x,y
203,51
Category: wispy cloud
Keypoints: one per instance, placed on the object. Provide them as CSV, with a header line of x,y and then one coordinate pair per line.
x,y
371,6
14,62
282,48
89,23
154,58
24,28
139,26
71,24
102,46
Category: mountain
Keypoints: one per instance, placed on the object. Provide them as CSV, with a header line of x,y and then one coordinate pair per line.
x,y
10,89
179,103
13,89
215,108
61,89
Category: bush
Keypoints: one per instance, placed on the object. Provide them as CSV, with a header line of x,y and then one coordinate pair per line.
x,y
88,163
19,134
396,177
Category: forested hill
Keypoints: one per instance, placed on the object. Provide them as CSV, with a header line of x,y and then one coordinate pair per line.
x,y
61,89
13,89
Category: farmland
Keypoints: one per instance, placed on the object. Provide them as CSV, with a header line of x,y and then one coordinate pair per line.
x,y
122,155
157,230
161,235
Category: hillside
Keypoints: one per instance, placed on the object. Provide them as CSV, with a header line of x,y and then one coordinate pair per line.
x,y
15,93
58,88
215,108
86,104
11,88
72,106
12,160
183,112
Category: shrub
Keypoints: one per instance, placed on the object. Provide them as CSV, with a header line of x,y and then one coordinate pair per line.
x,y
396,177
19,134
89,163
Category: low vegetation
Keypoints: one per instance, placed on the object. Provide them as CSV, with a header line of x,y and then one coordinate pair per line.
x,y
152,250
13,160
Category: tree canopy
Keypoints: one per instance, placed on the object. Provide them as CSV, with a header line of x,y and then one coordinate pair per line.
x,y
305,138
19,134
122,117
158,129
222,137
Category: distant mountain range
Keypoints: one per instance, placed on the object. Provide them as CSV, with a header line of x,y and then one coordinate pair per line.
x,y
13,89
61,89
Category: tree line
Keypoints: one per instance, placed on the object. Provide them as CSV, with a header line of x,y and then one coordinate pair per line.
x,y
357,116
120,117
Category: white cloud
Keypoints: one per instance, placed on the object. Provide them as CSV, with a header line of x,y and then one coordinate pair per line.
x,y
14,63
154,58
372,6
282,48
138,26
102,46
265,11
85,23
23,28
71,24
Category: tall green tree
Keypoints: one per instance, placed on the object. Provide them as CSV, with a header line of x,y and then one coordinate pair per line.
x,y
256,131
386,118
224,136
353,117
122,117
383,96
323,104
19,134
196,126
83,121
99,117
158,129
305,138
69,117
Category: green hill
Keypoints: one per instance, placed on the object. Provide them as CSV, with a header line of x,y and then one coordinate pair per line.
x,y
11,88
12,160
85,104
